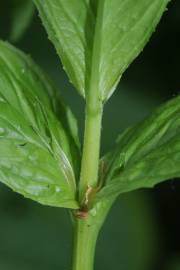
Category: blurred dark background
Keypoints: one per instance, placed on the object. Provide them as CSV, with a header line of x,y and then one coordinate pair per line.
x,y
142,231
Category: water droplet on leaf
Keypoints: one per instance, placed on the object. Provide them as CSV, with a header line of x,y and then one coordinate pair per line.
x,y
57,189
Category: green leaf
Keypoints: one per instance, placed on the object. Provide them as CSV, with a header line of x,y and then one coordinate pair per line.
x,y
21,16
98,39
145,155
39,156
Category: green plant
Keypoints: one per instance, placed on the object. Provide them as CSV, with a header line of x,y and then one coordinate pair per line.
x,y
40,153
19,15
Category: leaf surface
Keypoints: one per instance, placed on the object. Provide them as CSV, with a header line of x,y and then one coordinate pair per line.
x,y
98,39
21,16
146,154
39,155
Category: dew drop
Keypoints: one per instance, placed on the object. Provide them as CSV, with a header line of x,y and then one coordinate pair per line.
x,y
57,189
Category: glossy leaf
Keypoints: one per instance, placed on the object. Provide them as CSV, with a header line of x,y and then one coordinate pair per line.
x,y
97,40
37,150
21,16
145,155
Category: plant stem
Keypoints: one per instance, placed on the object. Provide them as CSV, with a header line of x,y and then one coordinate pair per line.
x,y
91,149
87,229
84,245
94,110
86,232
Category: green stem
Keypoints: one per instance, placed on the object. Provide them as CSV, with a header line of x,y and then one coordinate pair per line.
x,y
86,232
91,149
84,246
94,108
90,222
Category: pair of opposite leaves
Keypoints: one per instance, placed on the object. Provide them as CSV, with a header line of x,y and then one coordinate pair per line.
x,y
39,148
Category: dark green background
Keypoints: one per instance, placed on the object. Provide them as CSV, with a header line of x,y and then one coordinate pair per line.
x,y
142,230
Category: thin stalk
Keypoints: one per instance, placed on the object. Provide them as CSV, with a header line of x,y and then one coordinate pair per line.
x,y
91,149
86,232
94,109
87,227
84,246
